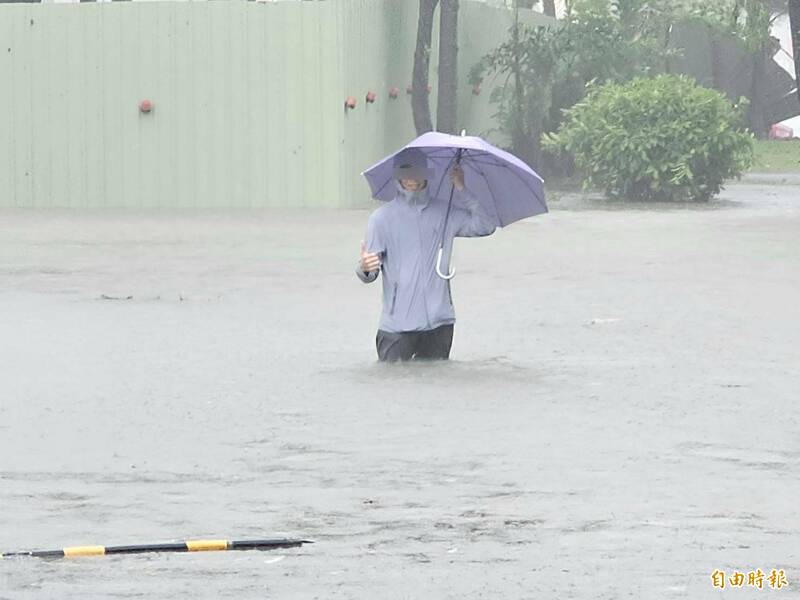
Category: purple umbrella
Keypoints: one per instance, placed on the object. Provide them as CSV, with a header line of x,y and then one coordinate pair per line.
x,y
508,189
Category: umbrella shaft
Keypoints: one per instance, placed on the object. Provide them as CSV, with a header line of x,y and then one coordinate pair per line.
x,y
450,201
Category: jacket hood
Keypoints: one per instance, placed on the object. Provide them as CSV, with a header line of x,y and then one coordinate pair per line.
x,y
413,198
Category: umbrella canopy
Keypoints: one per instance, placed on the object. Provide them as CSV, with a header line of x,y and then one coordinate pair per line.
x,y
508,189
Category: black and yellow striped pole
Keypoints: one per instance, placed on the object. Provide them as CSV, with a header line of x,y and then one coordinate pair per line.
x,y
189,546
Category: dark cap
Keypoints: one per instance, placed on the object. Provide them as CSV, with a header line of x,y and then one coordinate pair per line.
x,y
411,163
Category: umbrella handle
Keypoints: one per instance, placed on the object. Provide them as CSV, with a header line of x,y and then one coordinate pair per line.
x,y
451,274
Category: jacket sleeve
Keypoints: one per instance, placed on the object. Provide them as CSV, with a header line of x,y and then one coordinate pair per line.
x,y
375,243
474,221
366,277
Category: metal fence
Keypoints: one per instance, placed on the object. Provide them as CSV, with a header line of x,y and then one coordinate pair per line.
x,y
247,100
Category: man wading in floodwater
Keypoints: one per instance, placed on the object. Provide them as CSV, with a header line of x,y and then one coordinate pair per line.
x,y
402,243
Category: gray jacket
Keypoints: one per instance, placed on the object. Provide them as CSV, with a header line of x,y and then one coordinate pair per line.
x,y
406,232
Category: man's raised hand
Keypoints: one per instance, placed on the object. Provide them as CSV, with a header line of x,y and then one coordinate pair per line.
x,y
457,177
369,260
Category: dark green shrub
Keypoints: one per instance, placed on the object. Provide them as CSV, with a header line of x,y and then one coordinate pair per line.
x,y
664,138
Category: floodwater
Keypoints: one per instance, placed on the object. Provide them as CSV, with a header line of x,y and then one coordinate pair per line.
x,y
620,417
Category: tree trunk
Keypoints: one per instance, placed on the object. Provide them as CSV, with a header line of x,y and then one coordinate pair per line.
x,y
447,108
526,144
419,95
667,41
549,7
716,62
794,15
758,121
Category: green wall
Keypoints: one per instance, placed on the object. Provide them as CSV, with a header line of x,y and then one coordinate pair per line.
x,y
248,96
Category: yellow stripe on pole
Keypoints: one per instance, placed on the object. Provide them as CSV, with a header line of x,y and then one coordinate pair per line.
x,y
206,545
84,551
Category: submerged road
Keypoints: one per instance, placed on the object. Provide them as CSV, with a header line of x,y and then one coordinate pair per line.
x,y
620,417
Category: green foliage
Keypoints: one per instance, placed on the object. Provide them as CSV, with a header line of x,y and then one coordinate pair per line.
x,y
528,63
747,20
543,70
664,138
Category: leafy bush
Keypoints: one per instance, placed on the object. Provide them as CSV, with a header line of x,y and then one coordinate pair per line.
x,y
664,138
539,71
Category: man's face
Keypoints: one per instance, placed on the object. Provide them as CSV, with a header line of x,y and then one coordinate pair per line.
x,y
413,185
